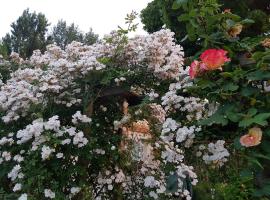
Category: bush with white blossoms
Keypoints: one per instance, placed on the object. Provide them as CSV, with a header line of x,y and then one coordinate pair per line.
x,y
108,121
218,154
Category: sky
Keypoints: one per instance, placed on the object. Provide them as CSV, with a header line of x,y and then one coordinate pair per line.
x,y
102,15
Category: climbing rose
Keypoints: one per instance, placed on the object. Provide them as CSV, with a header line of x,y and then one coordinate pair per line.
x,y
253,138
214,58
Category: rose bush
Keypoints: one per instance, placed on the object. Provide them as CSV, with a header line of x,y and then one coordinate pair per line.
x,y
238,94
99,122
125,118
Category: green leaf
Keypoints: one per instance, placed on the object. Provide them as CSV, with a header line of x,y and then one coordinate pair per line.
x,y
216,118
205,83
265,191
237,143
183,17
193,23
247,21
234,117
246,173
178,3
230,23
245,122
259,75
226,74
254,161
172,183
258,119
261,118
232,112
257,55
267,132
252,112
230,87
257,155
265,145
191,32
249,91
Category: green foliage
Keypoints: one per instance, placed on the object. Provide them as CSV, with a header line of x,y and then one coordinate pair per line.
x,y
3,51
193,22
63,34
151,17
28,33
240,91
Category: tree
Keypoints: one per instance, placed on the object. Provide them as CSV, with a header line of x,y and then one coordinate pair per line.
x,y
64,34
90,37
151,17
159,12
27,34
3,50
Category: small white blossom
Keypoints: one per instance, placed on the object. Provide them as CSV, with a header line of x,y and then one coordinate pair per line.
x,y
46,152
75,190
79,117
59,155
17,187
150,181
48,193
23,197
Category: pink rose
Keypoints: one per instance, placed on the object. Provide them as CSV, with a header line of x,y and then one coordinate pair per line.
x,y
253,138
214,58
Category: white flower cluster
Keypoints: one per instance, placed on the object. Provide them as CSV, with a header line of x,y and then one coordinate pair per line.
x,y
180,130
187,134
152,95
23,197
172,154
172,130
217,154
173,102
46,152
37,135
169,125
17,187
119,80
184,172
53,76
150,181
78,116
106,181
157,181
35,131
16,97
49,193
163,57
15,173
15,57
28,86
